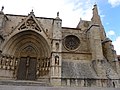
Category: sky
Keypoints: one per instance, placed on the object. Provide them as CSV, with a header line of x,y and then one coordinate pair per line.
x,y
70,12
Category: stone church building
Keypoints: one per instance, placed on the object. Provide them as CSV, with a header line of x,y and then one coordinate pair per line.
x,y
40,49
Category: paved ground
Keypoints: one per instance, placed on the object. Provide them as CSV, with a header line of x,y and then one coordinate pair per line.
x,y
11,87
34,85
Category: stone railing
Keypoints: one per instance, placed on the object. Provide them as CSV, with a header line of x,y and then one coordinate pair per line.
x,y
43,67
79,82
8,62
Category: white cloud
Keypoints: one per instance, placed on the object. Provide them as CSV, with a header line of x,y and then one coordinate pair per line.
x,y
70,10
110,33
114,3
78,9
116,44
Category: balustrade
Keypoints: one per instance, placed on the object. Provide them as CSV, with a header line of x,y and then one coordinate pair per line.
x,y
81,82
43,67
8,62
11,63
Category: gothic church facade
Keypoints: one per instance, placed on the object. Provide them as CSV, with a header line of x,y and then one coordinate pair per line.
x,y
40,49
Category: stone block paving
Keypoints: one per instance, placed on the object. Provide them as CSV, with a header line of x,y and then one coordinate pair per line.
x,y
10,87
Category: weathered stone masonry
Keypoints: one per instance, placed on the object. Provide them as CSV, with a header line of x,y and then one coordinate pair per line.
x,y
40,49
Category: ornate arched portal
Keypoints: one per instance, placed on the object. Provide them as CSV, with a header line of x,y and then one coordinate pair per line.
x,y
32,54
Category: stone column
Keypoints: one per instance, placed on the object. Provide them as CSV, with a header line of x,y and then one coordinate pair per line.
x,y
68,82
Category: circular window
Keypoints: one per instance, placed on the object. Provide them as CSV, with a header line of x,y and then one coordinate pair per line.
x,y
71,42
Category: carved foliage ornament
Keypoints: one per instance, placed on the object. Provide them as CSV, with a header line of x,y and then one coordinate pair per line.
x,y
71,42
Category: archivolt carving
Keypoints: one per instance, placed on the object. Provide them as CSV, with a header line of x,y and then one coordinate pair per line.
x,y
1,40
28,51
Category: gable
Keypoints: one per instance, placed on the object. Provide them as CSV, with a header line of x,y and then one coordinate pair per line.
x,y
30,23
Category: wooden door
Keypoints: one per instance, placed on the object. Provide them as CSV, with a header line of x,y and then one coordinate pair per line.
x,y
32,69
27,68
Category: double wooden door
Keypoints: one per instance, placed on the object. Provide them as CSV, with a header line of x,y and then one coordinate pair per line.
x,y
27,68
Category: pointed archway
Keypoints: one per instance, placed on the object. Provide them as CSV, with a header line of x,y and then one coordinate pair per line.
x,y
32,53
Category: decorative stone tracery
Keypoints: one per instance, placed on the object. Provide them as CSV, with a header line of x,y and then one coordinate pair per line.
x,y
29,24
71,42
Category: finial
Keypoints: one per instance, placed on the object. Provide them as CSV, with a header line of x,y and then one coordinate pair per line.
x,y
95,10
32,12
57,14
2,8
80,19
95,5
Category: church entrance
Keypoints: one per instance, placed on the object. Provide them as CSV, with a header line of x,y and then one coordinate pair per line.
x,y
32,55
27,68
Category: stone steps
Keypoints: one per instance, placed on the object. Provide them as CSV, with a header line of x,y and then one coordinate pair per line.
x,y
23,83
